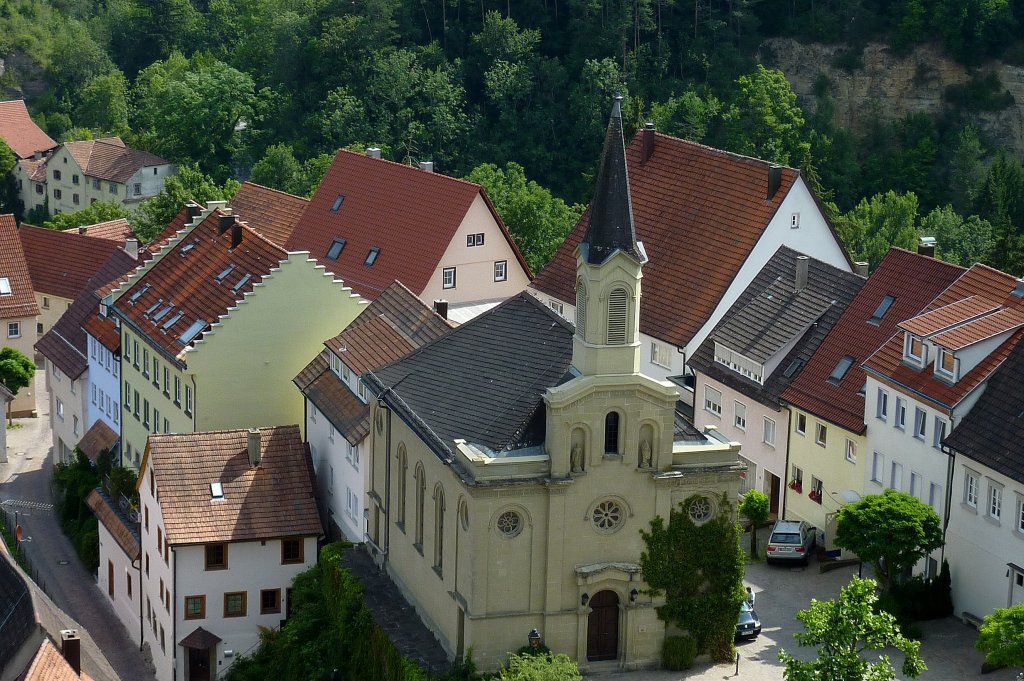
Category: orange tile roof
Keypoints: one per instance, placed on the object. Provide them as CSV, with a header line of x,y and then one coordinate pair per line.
x,y
186,278
99,437
410,214
20,132
887,362
112,519
34,168
949,315
114,230
110,159
988,326
49,665
62,263
913,281
22,300
698,211
272,213
275,499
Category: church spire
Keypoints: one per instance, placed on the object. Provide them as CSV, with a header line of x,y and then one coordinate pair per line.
x,y
611,227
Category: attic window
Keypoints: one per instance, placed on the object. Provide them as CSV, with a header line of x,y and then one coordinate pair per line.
x,y
883,307
223,275
154,306
216,490
138,294
837,374
335,250
793,367
162,313
170,322
192,331
371,257
337,203
5,286
241,282
187,248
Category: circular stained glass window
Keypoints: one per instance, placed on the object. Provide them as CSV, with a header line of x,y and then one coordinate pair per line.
x,y
700,510
607,516
510,523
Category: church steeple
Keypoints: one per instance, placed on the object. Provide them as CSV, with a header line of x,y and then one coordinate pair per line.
x,y
611,227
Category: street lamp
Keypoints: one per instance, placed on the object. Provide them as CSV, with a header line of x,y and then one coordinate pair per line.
x,y
534,638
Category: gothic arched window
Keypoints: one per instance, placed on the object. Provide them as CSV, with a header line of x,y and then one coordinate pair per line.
x,y
611,433
421,491
438,528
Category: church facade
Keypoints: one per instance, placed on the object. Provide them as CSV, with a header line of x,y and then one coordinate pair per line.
x,y
515,460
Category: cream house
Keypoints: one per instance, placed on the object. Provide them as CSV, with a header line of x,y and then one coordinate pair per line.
x,y
18,308
514,461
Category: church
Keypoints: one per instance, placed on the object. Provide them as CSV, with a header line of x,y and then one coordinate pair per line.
x,y
515,460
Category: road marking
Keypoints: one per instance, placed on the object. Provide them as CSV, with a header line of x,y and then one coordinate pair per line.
x,y
22,503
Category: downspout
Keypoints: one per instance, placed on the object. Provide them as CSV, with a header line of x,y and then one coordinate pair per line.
x,y
951,454
785,471
142,627
387,485
174,603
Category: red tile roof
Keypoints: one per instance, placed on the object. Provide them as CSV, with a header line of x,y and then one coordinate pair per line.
x,y
99,437
887,362
22,300
114,230
274,499
186,278
35,169
949,315
988,326
49,665
111,518
62,263
272,213
110,159
410,214
913,280
20,132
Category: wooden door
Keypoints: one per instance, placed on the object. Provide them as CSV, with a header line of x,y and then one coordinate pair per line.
x,y
603,627
198,664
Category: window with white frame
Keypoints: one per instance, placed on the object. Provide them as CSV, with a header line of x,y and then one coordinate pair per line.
x,y
797,481
851,451
938,432
740,415
935,496
14,329
914,349
821,434
817,489
712,400
60,409
970,488
93,397
794,221
995,500
896,475
915,484
769,432
920,422
946,366
661,354
882,407
748,476
448,277
901,413
330,431
801,424
557,306
500,270
1019,520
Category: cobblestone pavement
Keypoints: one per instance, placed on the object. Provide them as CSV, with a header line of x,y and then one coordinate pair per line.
x,y
108,653
947,645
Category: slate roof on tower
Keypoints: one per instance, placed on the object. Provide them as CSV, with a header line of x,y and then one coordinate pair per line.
x,y
409,214
272,213
17,298
20,132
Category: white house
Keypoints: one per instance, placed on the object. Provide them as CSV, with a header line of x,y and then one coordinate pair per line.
x,y
120,567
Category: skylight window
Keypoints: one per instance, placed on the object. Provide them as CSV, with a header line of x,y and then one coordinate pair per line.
x,y
162,313
216,490
223,275
371,257
837,374
793,367
5,286
335,250
883,307
170,322
192,331
154,306
138,294
241,282
337,203
187,248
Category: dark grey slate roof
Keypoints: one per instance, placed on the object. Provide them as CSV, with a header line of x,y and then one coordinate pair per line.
x,y
611,214
770,314
482,382
992,433
17,612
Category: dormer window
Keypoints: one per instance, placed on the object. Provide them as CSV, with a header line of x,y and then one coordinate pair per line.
x,y
914,350
946,366
746,366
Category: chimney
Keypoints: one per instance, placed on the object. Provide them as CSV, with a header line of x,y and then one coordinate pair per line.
x,y
194,211
37,155
71,649
926,246
774,180
801,273
131,247
648,143
860,268
441,308
254,447
225,222
83,230
1019,291
427,166
373,152
236,234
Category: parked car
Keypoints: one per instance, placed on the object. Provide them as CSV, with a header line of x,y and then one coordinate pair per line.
x,y
749,624
791,540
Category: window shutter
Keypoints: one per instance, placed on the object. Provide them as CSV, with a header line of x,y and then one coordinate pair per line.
x,y
581,308
617,307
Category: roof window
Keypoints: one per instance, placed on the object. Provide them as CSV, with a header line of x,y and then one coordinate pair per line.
x,y
216,490
154,306
837,374
793,367
241,282
882,308
371,257
162,313
138,294
335,250
170,322
192,331
223,275
187,248
337,203
5,286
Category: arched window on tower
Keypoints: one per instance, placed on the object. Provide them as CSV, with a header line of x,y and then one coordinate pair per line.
x,y
618,309
581,308
438,528
611,433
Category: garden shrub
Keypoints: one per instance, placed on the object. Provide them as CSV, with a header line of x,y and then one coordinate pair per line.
x,y
678,652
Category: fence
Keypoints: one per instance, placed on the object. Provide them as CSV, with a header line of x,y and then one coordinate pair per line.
x,y
21,551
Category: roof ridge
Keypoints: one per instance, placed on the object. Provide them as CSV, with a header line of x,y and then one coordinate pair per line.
x,y
276,191
722,152
412,168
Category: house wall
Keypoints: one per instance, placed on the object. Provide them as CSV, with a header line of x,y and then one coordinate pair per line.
x,y
158,629
32,194
151,182
24,403
125,607
474,280
340,474
51,308
67,411
980,545
104,377
90,189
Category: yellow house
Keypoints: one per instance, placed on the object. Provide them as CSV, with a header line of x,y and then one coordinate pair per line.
x,y
18,308
215,326
828,448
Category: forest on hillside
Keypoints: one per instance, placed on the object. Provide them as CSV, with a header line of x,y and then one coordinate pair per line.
x,y
515,94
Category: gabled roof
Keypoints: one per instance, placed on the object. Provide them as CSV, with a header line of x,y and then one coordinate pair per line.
x,y
390,327
66,344
182,288
911,281
483,381
274,499
272,213
98,438
21,301
980,282
20,132
409,214
115,230
49,665
62,263
771,315
698,211
124,532
110,159
34,169
992,432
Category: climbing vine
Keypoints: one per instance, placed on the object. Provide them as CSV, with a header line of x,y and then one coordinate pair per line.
x,y
699,570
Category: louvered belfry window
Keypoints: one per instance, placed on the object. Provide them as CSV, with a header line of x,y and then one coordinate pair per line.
x,y
618,306
581,308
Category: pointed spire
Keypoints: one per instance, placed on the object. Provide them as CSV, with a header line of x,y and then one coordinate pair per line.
x,y
611,227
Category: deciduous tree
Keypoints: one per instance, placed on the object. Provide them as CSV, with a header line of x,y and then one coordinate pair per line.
x,y
190,184
1001,637
755,506
876,224
763,119
101,211
16,372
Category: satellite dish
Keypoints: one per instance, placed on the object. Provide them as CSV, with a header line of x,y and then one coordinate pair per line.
x,y
18,533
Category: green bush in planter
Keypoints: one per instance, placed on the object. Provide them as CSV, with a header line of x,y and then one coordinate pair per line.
x,y
679,652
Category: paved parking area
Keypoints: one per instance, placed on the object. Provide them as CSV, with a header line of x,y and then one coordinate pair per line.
x,y
947,645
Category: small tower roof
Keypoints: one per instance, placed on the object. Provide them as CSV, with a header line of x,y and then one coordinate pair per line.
x,y
610,227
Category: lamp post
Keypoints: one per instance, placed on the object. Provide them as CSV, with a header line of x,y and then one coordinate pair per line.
x,y
534,638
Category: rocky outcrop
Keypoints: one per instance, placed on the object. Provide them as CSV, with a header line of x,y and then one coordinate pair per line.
x,y
890,86
22,78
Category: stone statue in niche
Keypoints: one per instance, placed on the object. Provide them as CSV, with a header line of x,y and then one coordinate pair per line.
x,y
576,458
645,454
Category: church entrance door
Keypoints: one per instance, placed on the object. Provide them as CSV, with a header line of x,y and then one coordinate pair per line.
x,y
603,627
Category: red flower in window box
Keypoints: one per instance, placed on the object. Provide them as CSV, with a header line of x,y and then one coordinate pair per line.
x,y
796,486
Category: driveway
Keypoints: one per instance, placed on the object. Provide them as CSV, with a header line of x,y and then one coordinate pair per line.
x,y
107,652
947,645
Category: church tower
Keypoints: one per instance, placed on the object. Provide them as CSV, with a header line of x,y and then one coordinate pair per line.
x,y
609,263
